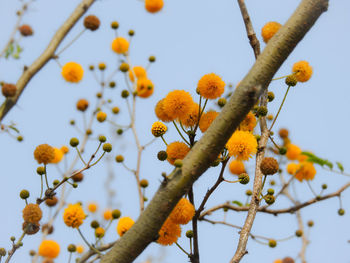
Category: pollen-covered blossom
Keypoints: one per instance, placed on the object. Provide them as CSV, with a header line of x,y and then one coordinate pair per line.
x,y
269,30
169,233
73,215
49,249
236,167
206,120
177,104
120,45
302,71
72,72
176,150
211,86
242,145
183,212
124,224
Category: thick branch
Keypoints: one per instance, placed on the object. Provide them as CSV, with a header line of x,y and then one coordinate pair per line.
x,y
206,150
48,54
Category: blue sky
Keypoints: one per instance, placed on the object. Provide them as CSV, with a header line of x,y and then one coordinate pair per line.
x,y
189,39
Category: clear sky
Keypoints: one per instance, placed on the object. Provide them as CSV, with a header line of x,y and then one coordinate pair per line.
x,y
189,39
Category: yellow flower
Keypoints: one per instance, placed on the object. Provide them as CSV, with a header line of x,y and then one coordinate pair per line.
x,y
58,155
64,149
177,104
120,45
169,233
107,214
249,122
236,167
44,153
82,105
144,87
101,116
292,168
305,171
242,145
183,212
74,215
211,86
191,119
138,72
124,224
72,72
206,120
92,207
293,152
176,150
160,113
99,232
80,249
278,261
302,71
49,249
269,29
158,129
154,6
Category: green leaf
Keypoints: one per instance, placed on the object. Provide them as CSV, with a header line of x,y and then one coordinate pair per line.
x,y
237,203
317,160
340,166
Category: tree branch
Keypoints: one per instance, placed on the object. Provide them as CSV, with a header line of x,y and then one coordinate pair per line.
x,y
48,54
205,151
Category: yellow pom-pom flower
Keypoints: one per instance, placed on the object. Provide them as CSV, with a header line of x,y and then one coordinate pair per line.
x,y
293,152
154,6
107,214
120,45
99,232
64,149
44,153
237,167
160,113
158,129
305,171
242,145
58,155
49,249
144,87
138,72
292,168
211,86
183,212
169,233
101,116
177,104
191,119
72,72
302,71
249,122
92,207
80,249
176,150
269,30
206,120
124,224
73,215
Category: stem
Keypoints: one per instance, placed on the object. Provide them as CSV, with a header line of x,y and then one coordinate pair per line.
x,y
71,42
195,256
87,243
279,110
177,128
177,244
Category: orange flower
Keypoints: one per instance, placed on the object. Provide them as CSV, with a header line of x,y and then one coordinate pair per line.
x,y
293,152
160,113
72,72
211,86
158,129
44,153
32,213
144,87
236,167
124,224
269,30
191,119
92,207
249,122
302,71
49,249
206,120
107,214
138,72
242,145
183,212
73,215
176,150
154,6
101,116
169,233
292,168
305,171
177,104
120,45
58,155
80,249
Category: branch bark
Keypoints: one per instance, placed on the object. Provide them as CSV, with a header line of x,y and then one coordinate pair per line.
x,y
48,54
206,150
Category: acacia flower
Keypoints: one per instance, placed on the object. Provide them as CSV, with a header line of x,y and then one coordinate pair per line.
x,y
236,167
292,168
92,207
176,150
160,113
183,212
49,249
44,153
74,215
191,119
32,213
249,122
206,120
269,30
211,86
101,116
169,233
58,155
138,72
242,145
302,71
305,171
72,72
177,104
80,249
154,6
158,129
124,224
107,214
293,152
144,87
82,105
120,45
